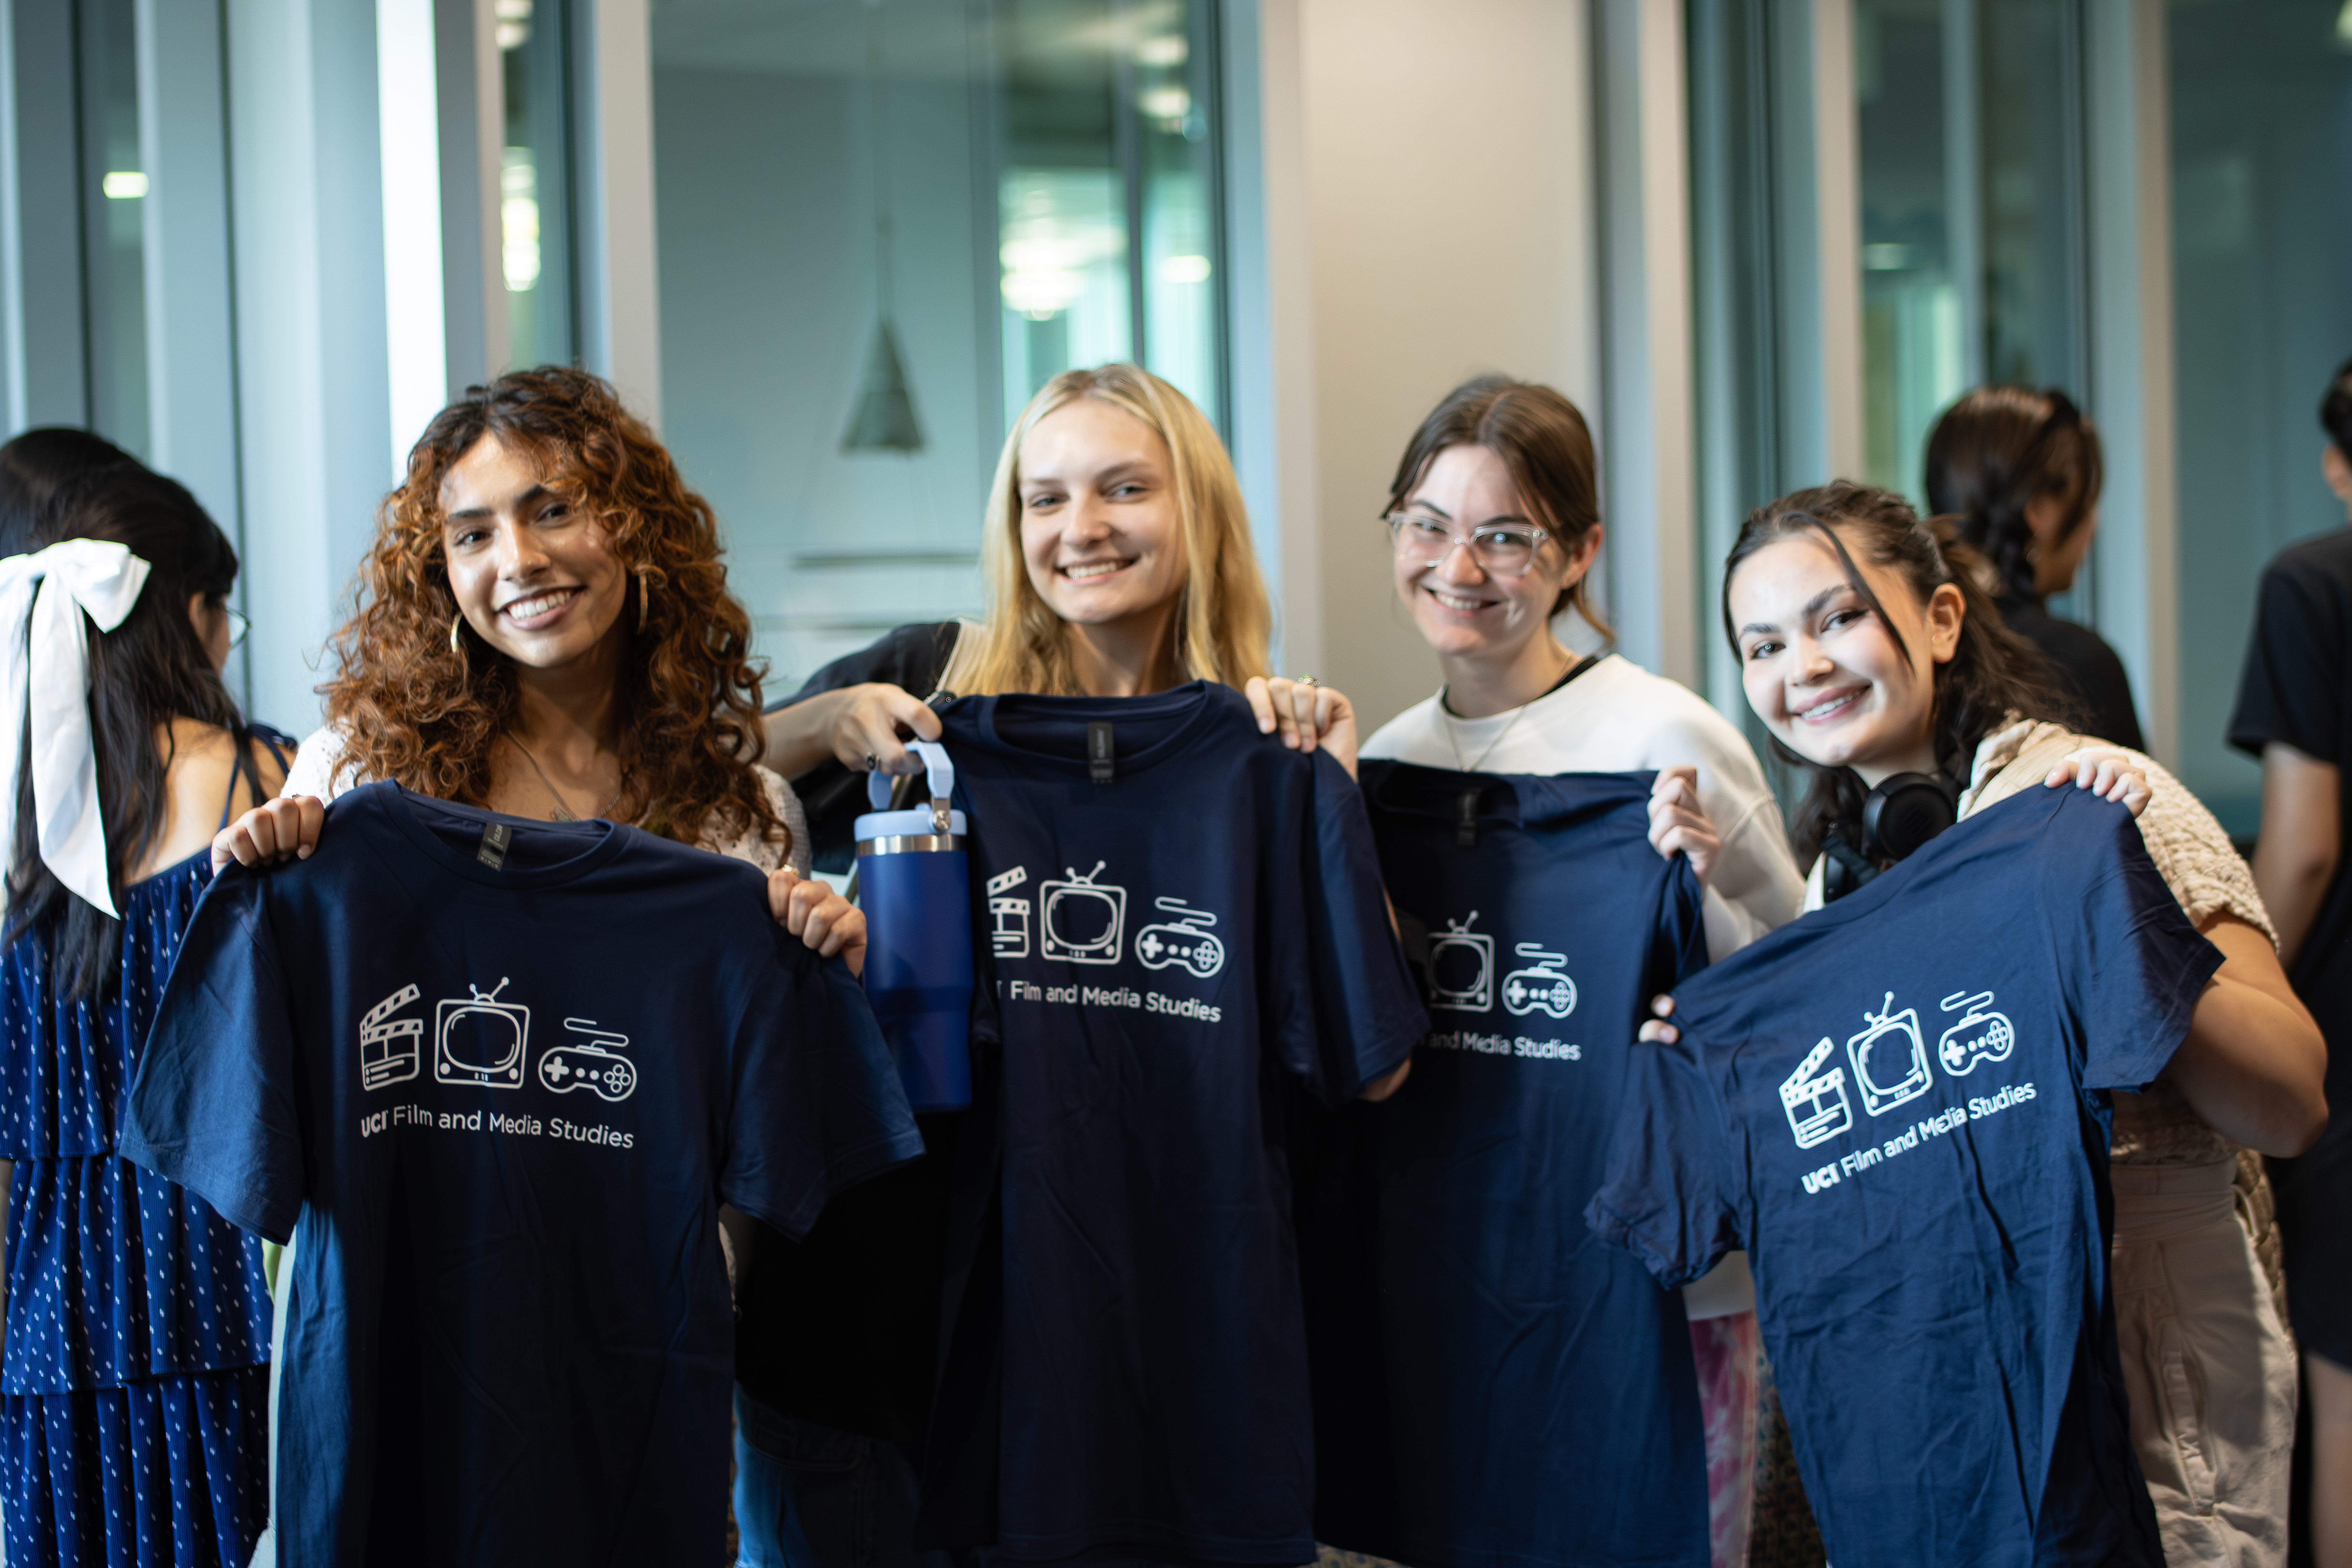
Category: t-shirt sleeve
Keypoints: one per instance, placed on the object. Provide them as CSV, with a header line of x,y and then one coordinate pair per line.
x,y
1681,946
913,656
1666,1196
214,1105
2288,690
816,1105
1345,1010
2129,961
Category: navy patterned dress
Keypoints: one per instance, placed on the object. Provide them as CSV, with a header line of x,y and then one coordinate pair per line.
x,y
134,1379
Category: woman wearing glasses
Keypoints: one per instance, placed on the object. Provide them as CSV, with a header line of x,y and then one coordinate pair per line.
x,y
1493,522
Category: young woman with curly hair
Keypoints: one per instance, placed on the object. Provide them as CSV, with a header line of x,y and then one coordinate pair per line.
x,y
543,627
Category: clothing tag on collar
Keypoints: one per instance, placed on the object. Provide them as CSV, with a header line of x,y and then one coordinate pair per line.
x,y
1465,826
1102,756
496,836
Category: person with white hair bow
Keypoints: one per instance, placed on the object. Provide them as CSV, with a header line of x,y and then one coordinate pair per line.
x,y
133,1374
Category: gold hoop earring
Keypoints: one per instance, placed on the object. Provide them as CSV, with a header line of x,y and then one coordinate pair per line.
x,y
645,595
456,623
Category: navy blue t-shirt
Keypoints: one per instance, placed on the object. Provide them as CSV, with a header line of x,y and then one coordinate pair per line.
x,y
1524,1369
1163,950
501,1106
1898,1105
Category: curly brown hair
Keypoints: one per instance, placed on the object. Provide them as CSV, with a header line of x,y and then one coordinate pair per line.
x,y
410,709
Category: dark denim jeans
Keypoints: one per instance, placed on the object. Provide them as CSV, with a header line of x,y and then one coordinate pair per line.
x,y
808,1496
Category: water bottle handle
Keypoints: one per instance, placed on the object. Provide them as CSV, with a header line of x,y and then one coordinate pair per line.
x,y
939,775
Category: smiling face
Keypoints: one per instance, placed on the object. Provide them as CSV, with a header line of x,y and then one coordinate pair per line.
x,y
1822,671
539,581
1465,611
1099,529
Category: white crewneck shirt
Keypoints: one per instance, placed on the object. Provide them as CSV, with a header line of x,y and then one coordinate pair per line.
x,y
1616,717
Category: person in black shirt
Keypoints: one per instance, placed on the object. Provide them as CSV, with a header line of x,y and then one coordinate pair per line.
x,y
2020,472
2291,714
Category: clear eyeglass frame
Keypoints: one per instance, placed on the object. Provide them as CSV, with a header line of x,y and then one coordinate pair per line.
x,y
1501,550
237,626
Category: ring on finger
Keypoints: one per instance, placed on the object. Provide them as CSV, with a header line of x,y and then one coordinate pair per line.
x,y
871,762
1307,680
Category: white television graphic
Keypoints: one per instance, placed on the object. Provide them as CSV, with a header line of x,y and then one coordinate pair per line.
x,y
480,1039
1978,1036
391,1051
1461,967
1079,920
1543,987
1890,1059
1815,1100
592,1063
1183,942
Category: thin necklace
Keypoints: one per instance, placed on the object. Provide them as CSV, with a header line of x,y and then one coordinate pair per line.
x,y
563,812
1517,714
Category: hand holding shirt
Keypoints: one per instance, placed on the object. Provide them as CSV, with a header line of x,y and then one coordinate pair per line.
x,y
1467,1325
501,1073
1178,914
1898,1106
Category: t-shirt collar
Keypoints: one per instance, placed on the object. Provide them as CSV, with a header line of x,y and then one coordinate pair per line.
x,y
601,840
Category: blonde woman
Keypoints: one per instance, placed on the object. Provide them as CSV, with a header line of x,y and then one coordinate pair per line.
x,y
1117,559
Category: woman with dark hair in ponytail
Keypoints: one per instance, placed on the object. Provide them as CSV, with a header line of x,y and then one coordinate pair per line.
x,y
2019,472
1869,650
133,1393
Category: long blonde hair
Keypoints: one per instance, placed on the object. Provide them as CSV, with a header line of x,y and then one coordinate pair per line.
x,y
1222,618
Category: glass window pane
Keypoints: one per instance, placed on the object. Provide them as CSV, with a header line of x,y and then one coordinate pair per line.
x,y
114,190
534,196
2030,111
2262,224
882,227
1914,358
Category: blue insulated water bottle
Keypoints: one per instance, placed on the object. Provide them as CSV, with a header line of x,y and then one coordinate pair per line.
x,y
915,885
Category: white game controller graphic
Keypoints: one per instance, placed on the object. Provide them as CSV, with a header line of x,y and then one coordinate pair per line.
x,y
1545,987
1976,1037
589,1064
1184,942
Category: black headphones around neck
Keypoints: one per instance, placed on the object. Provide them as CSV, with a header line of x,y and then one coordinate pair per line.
x,y
1903,813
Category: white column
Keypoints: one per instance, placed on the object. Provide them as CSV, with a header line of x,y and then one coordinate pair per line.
x,y
1648,445
191,351
2131,388
313,373
620,296
1837,217
1269,259
408,114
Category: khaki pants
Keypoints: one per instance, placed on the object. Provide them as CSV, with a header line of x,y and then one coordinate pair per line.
x,y
2208,1365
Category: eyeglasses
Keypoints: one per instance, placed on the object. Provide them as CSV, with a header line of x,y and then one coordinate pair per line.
x,y
237,627
1506,549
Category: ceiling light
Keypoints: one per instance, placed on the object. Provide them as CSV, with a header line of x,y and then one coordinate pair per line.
x,y
1184,270
123,186
1166,49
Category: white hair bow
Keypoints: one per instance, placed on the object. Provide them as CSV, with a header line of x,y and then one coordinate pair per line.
x,y
98,577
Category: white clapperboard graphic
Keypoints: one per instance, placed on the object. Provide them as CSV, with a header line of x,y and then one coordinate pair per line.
x,y
1008,915
392,1050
